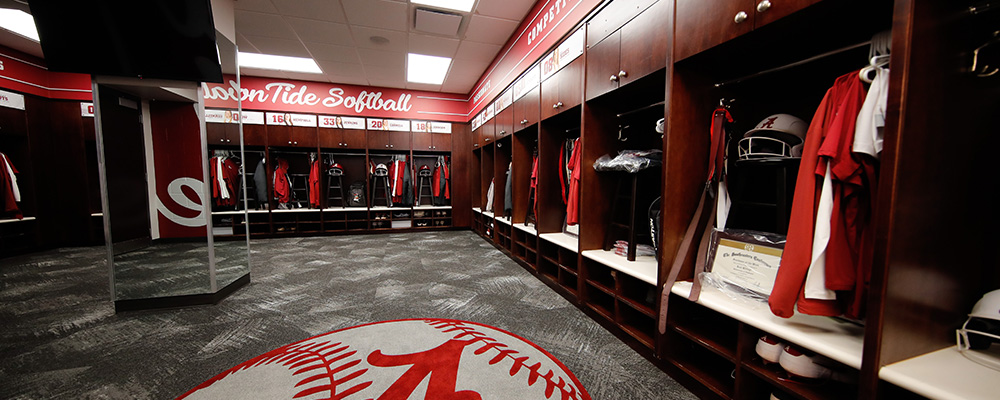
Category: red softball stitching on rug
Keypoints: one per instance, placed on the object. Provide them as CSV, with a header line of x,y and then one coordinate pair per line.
x,y
567,390
323,358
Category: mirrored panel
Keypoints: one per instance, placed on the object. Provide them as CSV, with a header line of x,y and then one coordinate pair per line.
x,y
153,188
229,165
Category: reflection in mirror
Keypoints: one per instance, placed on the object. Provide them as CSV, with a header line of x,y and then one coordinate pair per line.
x,y
149,135
228,166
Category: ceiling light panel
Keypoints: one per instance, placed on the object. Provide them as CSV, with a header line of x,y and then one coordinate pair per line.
x,y
422,68
19,22
278,63
457,5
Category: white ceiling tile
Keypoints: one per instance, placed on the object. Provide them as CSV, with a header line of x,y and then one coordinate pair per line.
x,y
280,47
348,80
423,86
259,24
256,5
325,10
432,45
342,69
377,13
514,10
469,66
385,73
395,59
437,22
263,73
310,30
477,51
457,87
387,83
244,45
329,52
489,30
362,38
304,77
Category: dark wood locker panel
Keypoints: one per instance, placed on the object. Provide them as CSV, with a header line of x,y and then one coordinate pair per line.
x,y
702,24
644,44
487,133
603,65
254,135
399,140
768,11
526,111
216,134
549,97
612,17
378,140
57,133
354,139
423,141
571,84
441,141
291,136
504,122
336,138
330,138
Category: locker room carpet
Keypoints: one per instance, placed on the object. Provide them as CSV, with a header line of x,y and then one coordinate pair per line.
x,y
60,337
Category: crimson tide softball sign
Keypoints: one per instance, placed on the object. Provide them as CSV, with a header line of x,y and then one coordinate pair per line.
x,y
399,360
330,98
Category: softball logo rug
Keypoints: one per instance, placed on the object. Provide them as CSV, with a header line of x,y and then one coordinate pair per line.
x,y
400,360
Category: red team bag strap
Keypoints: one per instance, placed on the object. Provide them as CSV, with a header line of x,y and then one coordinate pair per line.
x,y
715,172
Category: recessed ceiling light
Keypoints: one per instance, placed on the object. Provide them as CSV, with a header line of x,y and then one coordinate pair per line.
x,y
457,5
279,63
426,69
19,22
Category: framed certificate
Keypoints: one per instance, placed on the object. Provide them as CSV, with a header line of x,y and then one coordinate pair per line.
x,y
747,260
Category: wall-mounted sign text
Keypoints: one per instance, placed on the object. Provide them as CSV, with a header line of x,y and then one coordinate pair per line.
x,y
326,98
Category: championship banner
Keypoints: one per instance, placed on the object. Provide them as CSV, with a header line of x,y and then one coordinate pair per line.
x,y
545,26
293,96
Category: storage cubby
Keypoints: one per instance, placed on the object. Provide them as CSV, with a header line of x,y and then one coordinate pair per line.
x,y
552,180
710,329
525,244
296,221
638,322
716,373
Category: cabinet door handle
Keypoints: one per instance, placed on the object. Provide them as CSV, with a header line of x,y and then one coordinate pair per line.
x,y
503,133
296,143
614,78
289,142
763,6
222,140
740,17
390,146
555,106
560,104
487,139
622,74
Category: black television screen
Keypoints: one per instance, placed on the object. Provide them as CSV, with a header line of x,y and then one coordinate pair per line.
x,y
156,39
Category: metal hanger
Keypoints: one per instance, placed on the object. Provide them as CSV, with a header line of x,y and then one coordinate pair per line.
x,y
984,70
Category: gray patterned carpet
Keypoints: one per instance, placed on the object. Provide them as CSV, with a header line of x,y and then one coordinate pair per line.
x,y
60,337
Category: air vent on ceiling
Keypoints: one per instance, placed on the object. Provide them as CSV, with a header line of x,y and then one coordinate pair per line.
x,y
437,22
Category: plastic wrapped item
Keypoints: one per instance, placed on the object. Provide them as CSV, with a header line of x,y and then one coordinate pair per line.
x,y
621,249
630,161
743,264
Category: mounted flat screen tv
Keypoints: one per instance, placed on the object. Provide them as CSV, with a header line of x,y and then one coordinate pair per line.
x,y
150,39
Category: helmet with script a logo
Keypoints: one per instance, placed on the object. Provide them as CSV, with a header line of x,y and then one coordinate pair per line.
x,y
777,136
336,170
982,328
381,170
424,171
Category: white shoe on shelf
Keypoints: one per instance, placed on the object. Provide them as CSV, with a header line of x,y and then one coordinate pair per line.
x,y
769,348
